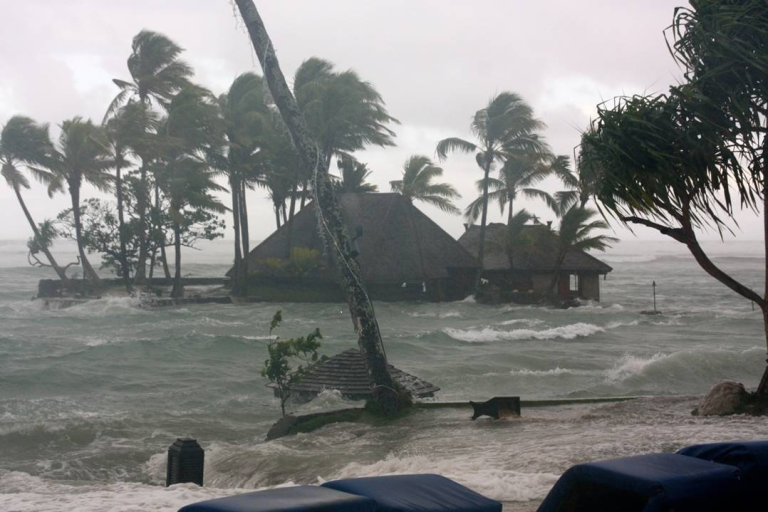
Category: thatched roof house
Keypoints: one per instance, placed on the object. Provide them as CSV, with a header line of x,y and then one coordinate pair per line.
x,y
346,373
403,254
532,269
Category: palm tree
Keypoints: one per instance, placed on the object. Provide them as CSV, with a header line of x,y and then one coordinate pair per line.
x,y
418,173
81,156
353,176
157,74
575,233
192,133
23,142
247,119
506,125
344,113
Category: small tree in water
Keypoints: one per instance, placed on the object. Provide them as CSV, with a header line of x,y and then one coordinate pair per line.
x,y
278,369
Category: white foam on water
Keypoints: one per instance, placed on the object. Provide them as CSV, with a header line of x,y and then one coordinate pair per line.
x,y
548,373
526,321
487,334
21,492
497,483
435,314
629,366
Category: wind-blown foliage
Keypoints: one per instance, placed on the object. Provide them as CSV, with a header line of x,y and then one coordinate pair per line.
x,y
575,233
25,143
353,177
505,126
82,156
417,184
682,162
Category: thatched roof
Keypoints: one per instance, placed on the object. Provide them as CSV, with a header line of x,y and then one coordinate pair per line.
x,y
346,373
496,257
399,243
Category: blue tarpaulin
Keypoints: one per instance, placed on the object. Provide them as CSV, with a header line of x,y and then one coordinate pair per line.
x,y
751,457
410,493
648,483
287,499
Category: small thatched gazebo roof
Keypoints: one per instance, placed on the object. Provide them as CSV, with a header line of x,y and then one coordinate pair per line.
x,y
346,373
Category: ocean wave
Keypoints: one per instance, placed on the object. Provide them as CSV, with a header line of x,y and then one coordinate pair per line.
x,y
629,258
526,321
705,362
487,334
525,372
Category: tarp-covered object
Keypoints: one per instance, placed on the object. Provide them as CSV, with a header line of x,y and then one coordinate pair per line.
x,y
287,499
648,483
410,493
751,457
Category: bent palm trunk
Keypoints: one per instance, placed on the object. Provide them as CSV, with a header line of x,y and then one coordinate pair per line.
x,y
141,266
483,220
88,272
121,230
327,208
56,268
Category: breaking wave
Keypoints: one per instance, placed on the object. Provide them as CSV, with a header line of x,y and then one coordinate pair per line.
x,y
567,332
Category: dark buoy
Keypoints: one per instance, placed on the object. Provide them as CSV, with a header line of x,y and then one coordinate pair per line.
x,y
186,460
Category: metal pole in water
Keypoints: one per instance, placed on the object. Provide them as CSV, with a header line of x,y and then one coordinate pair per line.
x,y
654,296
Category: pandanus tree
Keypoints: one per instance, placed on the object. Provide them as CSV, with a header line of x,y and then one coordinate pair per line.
x,y
312,155
506,125
682,162
25,143
353,177
191,133
157,74
417,184
247,121
81,156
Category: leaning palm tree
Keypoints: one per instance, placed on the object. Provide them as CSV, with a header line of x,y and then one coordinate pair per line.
x,y
416,184
192,133
353,177
157,74
247,120
575,233
506,125
23,142
81,156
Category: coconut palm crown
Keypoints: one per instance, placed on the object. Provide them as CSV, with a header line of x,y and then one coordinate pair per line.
x,y
417,184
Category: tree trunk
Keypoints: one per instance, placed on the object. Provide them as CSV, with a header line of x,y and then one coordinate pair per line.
x,y
245,238
163,256
56,268
510,236
140,278
178,289
277,216
762,389
328,211
125,270
88,272
483,220
237,275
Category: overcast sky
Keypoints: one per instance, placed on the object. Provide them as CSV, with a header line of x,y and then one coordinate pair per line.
x,y
435,62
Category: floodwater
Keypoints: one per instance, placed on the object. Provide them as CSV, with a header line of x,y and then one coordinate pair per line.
x,y
91,396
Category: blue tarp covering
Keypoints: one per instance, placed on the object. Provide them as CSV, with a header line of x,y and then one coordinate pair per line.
x,y
649,483
423,493
751,457
287,499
